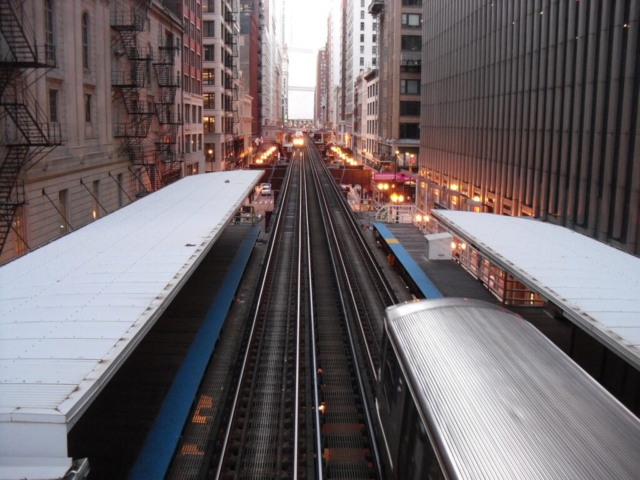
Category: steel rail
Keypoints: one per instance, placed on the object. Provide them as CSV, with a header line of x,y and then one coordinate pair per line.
x,y
299,320
391,296
333,253
268,262
331,229
314,356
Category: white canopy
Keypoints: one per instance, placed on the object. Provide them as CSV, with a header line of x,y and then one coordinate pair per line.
x,y
72,311
596,285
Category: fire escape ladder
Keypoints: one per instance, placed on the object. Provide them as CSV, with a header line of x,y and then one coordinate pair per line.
x,y
32,135
17,32
134,129
169,83
31,121
10,198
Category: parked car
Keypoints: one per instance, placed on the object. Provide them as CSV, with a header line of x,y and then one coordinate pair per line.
x,y
265,189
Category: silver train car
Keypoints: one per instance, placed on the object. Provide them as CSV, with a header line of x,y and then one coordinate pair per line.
x,y
468,390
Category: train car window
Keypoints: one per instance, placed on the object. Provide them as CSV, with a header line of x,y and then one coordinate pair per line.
x,y
394,392
392,382
416,458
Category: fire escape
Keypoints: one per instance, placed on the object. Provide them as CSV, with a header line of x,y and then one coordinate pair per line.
x,y
261,27
236,76
29,136
169,119
133,128
230,80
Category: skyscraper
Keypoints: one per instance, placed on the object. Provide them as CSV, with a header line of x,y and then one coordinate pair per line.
x,y
532,108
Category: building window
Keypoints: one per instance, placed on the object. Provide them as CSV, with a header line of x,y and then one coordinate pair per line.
x,y
374,61
53,106
208,28
411,3
198,11
361,48
198,87
18,224
185,54
208,53
193,85
63,207
200,142
362,26
185,25
194,111
192,32
85,40
96,199
411,109
198,61
210,152
361,14
120,190
374,38
362,37
410,87
187,144
209,124
411,19
87,108
208,76
209,100
362,61
187,113
412,43
410,131
198,36
193,58
199,118
49,35
185,83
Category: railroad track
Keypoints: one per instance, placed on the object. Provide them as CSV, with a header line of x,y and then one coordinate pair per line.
x,y
300,402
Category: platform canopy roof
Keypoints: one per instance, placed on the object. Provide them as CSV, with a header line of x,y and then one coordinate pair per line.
x,y
72,311
596,285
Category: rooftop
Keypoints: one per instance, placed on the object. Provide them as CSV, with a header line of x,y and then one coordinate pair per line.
x,y
72,311
597,286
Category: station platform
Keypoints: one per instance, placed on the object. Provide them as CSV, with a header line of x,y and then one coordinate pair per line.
x,y
139,415
75,310
452,280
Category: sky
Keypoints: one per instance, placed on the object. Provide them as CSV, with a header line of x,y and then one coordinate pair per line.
x,y
305,34
308,22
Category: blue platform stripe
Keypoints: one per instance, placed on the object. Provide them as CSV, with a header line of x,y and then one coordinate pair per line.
x,y
162,440
426,287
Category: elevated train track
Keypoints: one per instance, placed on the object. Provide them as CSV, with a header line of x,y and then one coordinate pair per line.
x,y
301,398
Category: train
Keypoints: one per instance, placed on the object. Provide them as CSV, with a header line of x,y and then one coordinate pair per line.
x,y
467,389
298,139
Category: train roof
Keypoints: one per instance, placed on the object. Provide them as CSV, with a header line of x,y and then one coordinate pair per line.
x,y
503,401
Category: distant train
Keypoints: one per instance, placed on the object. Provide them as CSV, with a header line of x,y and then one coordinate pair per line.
x,y
470,390
298,140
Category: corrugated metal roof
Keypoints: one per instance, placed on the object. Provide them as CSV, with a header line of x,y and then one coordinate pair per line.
x,y
503,402
72,311
598,286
